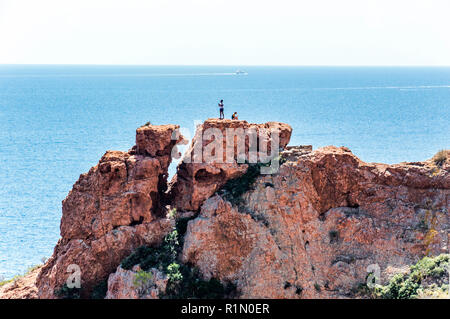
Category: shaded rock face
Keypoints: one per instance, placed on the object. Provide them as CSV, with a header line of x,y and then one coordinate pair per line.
x,y
313,229
200,175
123,284
111,210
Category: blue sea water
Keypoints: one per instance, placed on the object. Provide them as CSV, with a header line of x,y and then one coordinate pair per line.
x,y
57,121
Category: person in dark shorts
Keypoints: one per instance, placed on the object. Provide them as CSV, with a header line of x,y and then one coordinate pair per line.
x,y
221,115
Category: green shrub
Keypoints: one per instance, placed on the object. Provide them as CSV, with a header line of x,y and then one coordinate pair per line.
x,y
159,257
183,280
193,286
147,124
100,290
68,293
138,256
433,292
143,281
235,188
409,286
172,213
171,243
173,273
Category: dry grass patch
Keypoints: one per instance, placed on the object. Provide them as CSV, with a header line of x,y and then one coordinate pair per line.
x,y
440,157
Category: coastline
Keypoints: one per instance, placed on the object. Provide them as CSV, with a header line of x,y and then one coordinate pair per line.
x,y
124,216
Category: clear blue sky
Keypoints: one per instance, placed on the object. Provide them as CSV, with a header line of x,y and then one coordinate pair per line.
x,y
226,32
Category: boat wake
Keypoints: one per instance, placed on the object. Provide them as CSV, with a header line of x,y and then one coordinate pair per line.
x,y
118,75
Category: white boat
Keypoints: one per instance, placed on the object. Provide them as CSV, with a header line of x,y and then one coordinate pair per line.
x,y
239,72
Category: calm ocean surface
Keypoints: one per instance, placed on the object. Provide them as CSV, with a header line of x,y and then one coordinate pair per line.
x,y
57,121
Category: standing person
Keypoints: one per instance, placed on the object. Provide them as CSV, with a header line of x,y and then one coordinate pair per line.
x,y
221,115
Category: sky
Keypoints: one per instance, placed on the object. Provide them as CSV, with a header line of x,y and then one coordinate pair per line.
x,y
225,32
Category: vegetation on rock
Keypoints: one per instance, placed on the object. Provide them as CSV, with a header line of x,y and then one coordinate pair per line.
x,y
146,124
68,293
233,190
184,281
143,281
29,270
440,157
426,279
99,291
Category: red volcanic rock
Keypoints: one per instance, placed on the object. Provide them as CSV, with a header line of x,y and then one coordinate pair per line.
x,y
121,190
112,210
123,284
97,258
205,166
196,182
313,229
157,140
231,246
22,287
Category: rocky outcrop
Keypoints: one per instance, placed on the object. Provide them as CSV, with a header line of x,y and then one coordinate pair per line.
x,y
133,284
200,175
111,210
23,287
313,229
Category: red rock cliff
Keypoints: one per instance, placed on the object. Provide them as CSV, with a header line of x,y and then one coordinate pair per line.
x,y
312,230
309,230
111,210
198,179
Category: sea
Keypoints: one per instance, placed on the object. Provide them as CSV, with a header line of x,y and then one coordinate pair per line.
x,y
56,121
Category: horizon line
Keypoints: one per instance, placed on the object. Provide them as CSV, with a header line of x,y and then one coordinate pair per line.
x,y
224,65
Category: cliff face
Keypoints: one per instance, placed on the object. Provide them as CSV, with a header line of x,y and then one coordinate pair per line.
x,y
112,210
314,228
198,178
